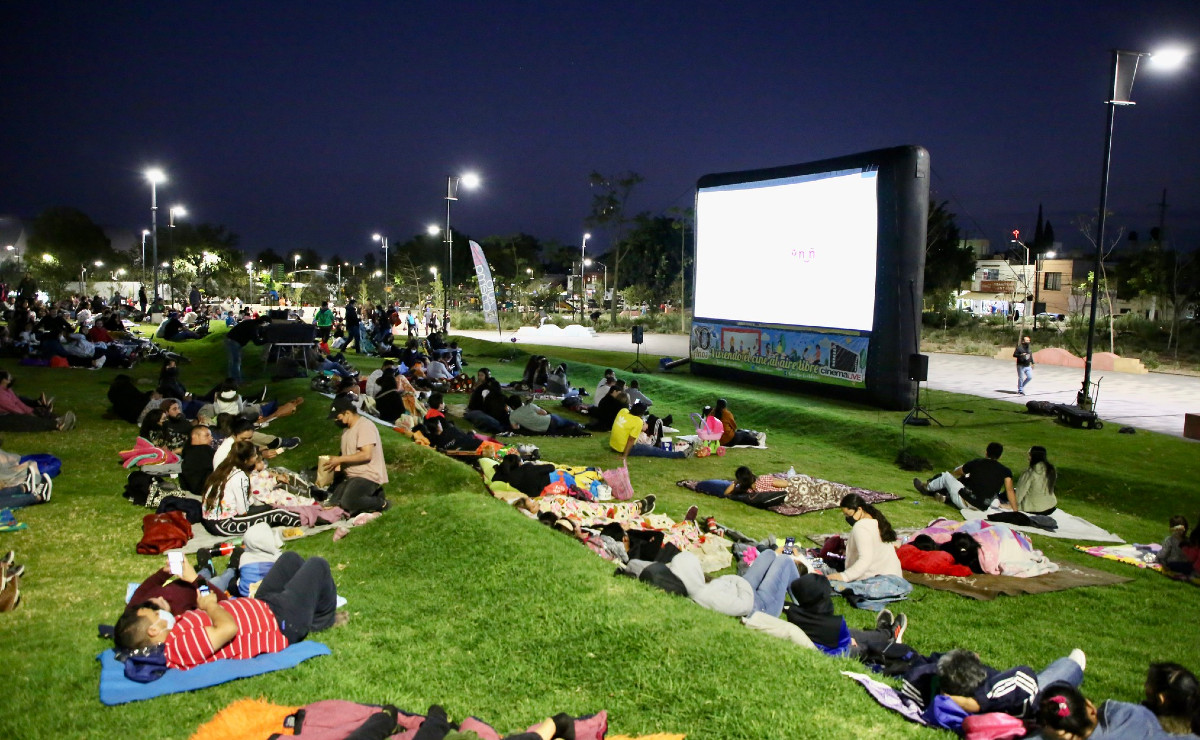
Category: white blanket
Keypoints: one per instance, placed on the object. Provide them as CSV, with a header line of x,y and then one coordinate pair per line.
x,y
1070,527
692,439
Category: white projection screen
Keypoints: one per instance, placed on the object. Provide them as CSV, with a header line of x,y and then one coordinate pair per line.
x,y
812,273
804,245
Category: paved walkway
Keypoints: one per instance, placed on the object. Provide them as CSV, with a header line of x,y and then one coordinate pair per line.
x,y
1155,401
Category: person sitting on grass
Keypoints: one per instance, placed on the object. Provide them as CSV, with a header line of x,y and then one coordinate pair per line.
x,y
227,505
389,401
296,597
362,470
740,489
974,484
873,571
530,418
242,430
1035,487
606,409
487,408
732,436
626,429
196,460
1172,555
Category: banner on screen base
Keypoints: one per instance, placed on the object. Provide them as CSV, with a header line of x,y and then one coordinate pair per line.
x,y
837,358
487,289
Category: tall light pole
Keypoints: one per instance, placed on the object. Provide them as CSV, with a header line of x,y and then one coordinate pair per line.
x,y
582,260
383,239
1120,89
145,233
154,175
470,181
172,212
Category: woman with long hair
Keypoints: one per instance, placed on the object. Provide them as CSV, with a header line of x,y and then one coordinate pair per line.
x,y
226,502
872,570
1035,486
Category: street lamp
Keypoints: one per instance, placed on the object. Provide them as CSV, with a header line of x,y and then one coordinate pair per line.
x,y
470,181
582,261
1120,90
381,238
154,175
145,233
604,288
295,265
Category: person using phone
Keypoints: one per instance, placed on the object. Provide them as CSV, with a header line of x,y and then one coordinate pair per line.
x,y
174,594
296,597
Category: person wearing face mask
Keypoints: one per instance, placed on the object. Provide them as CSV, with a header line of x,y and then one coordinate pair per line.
x,y
872,567
170,598
361,463
296,597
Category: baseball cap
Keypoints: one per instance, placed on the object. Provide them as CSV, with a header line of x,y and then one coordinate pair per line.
x,y
340,405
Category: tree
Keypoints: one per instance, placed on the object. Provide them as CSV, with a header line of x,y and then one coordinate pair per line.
x,y
1087,227
653,245
948,262
62,240
609,198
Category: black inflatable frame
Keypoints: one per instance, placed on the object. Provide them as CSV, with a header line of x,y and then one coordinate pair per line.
x,y
903,207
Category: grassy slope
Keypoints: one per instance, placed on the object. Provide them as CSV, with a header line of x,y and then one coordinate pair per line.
x,y
456,600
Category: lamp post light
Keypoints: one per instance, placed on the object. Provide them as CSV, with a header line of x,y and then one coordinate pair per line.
x,y
249,280
470,181
145,233
582,264
383,239
1120,90
154,175
1037,284
604,288
295,265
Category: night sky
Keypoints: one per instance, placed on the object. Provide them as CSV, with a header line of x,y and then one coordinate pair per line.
x,y
312,125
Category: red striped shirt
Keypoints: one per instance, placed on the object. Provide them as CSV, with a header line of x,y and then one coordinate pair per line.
x,y
258,632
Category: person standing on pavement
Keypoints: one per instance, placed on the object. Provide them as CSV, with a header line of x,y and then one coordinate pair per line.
x,y
1024,357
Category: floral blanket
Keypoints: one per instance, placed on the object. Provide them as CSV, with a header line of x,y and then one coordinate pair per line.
x,y
805,493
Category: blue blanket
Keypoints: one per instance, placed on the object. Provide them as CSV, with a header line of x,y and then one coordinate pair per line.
x,y
116,689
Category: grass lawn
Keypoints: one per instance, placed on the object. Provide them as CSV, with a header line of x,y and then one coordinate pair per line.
x,y
456,599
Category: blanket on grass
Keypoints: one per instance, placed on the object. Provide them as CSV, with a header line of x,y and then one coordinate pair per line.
x,y
116,689
201,537
806,493
1136,555
987,587
693,440
1070,527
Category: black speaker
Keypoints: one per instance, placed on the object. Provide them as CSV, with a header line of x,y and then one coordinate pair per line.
x,y
637,334
918,368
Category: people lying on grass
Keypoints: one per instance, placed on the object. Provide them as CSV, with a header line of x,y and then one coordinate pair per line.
x,y
977,688
229,401
732,436
812,611
530,478
173,595
443,433
296,597
227,506
22,414
361,472
22,483
741,488
974,484
1065,714
762,588
529,418
280,487
590,514
1035,486
626,429
1175,554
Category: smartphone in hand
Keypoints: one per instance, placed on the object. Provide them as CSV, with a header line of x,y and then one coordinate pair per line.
x,y
175,562
789,545
202,589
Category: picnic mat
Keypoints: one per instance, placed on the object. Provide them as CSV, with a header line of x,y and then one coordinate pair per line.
x,y
986,587
116,689
805,494
1070,527
1135,555
201,537
693,440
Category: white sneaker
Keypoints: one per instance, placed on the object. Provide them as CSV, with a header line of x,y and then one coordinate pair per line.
x,y
45,489
98,362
